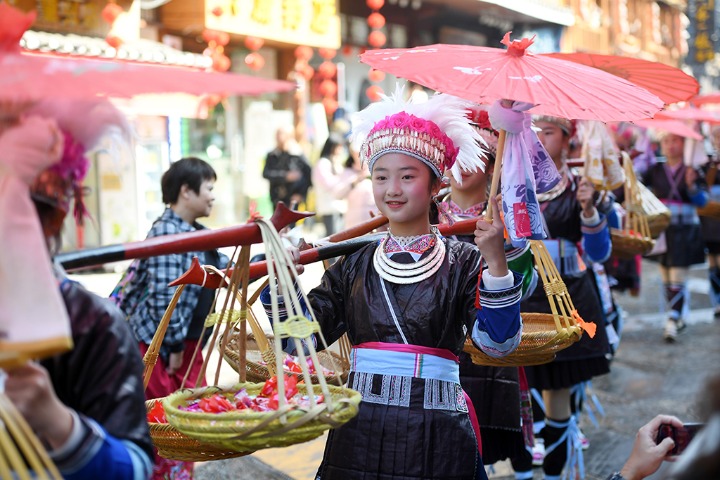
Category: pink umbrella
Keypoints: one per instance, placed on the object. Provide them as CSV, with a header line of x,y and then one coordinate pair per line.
x,y
708,98
669,125
30,76
482,74
698,114
669,83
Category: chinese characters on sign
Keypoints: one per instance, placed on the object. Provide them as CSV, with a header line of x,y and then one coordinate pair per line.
x,y
702,31
315,23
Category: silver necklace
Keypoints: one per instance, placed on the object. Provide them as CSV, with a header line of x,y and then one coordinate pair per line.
x,y
408,273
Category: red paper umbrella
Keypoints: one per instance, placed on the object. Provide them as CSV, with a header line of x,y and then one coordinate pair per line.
x,y
482,74
669,125
670,84
698,114
706,99
34,76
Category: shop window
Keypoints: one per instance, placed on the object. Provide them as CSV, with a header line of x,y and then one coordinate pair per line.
x,y
205,138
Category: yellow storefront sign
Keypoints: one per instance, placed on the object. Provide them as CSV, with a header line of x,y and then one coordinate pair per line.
x,y
308,22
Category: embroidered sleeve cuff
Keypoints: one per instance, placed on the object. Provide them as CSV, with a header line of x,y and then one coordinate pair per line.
x,y
500,297
590,221
495,349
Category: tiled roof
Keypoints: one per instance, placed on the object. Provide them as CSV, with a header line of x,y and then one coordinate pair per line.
x,y
146,51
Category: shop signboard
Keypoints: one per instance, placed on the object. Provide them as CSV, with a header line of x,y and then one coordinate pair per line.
x,y
315,23
82,17
702,32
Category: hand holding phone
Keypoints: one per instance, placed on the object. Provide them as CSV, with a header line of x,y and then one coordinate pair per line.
x,y
680,435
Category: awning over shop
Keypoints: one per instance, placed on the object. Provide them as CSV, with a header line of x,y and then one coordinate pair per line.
x,y
141,50
545,10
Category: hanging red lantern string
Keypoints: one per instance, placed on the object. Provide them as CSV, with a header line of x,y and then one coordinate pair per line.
x,y
376,76
373,92
216,49
254,60
376,39
328,87
303,54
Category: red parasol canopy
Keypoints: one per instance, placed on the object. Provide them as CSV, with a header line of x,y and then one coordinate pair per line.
x,y
698,114
670,84
669,125
706,99
482,74
32,76
28,76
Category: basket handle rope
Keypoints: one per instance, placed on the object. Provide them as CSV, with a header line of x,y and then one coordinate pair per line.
x,y
281,272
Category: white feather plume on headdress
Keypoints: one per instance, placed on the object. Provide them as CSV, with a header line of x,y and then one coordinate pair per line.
x,y
448,112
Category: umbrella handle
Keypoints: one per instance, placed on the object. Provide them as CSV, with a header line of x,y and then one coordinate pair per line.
x,y
497,171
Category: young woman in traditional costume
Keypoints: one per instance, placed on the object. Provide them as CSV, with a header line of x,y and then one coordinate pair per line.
x,y
496,392
409,302
682,189
572,222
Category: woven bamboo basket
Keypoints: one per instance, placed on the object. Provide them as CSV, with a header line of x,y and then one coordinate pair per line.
x,y
257,361
247,430
544,334
173,444
170,442
635,238
250,430
626,245
658,215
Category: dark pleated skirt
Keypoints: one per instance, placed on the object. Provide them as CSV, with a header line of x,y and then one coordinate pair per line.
x,y
584,359
402,443
495,394
685,247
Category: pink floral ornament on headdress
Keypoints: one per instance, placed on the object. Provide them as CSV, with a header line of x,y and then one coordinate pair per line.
x,y
436,132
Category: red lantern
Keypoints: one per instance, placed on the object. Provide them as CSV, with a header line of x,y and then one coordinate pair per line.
x,y
376,76
375,4
255,61
327,69
328,88
376,20
327,53
303,52
111,12
254,43
222,38
308,72
373,92
210,35
217,11
330,105
347,50
376,39
114,41
221,62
